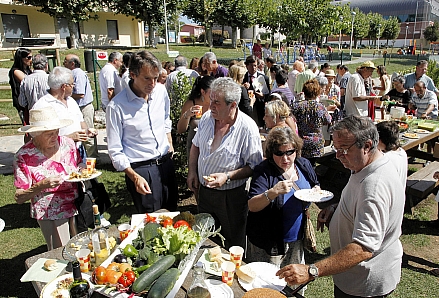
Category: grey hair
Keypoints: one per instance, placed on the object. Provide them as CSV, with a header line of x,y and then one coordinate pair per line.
x,y
209,56
180,61
228,88
362,128
115,55
322,80
400,79
59,76
39,61
313,64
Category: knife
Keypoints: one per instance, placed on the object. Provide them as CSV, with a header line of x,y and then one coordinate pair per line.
x,y
287,291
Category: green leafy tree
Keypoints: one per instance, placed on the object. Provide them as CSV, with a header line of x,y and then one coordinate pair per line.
x,y
203,12
376,23
361,26
73,10
149,11
391,29
431,33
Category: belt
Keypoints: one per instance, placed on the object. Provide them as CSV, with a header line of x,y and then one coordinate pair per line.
x,y
150,162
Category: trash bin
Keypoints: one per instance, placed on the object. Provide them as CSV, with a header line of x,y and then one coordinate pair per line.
x,y
69,42
88,58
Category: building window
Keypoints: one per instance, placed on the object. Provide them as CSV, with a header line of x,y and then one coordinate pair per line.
x,y
112,30
64,29
15,26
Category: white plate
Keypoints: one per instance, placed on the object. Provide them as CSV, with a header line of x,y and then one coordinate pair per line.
x,y
313,195
52,286
218,289
2,224
95,175
209,267
420,130
268,272
411,135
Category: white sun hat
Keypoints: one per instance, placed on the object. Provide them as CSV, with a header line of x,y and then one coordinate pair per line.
x,y
44,119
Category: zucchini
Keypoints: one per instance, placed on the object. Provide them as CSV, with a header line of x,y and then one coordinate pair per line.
x,y
164,284
150,231
145,280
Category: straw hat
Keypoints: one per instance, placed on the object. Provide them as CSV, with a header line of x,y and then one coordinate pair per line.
x,y
368,64
44,119
330,73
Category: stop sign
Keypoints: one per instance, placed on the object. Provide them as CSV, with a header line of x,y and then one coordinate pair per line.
x,y
102,55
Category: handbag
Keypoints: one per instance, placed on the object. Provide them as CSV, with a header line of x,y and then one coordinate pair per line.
x,y
309,235
94,194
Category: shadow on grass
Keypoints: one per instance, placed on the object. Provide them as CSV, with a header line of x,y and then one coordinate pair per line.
x,y
415,227
13,270
17,217
406,258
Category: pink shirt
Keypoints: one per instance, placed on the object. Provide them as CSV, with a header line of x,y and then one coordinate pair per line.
x,y
31,166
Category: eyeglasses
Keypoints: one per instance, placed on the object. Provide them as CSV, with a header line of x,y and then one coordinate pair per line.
x,y
70,84
29,57
282,153
342,151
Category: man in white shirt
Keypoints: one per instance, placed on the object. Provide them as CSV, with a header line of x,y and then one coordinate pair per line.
x,y
109,80
226,148
180,68
139,137
356,99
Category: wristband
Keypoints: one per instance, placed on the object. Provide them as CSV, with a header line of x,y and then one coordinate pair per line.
x,y
266,195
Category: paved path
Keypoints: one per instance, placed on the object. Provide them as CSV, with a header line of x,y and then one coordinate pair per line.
x,y
10,144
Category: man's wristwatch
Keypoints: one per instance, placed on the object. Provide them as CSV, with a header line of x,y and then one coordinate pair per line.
x,y
313,271
228,178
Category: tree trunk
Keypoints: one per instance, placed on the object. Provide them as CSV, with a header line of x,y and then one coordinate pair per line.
x,y
72,31
150,33
234,36
209,36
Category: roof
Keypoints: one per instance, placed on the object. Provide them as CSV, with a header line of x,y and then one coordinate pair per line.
x,y
387,7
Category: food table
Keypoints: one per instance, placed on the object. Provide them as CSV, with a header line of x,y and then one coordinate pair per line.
x,y
410,145
57,254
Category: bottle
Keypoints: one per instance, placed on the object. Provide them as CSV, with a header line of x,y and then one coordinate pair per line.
x,y
80,287
101,246
198,288
96,216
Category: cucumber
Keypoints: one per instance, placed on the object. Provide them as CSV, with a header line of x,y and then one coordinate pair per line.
x,y
164,284
150,231
145,280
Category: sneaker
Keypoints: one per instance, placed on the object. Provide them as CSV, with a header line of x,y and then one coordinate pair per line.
x,y
104,222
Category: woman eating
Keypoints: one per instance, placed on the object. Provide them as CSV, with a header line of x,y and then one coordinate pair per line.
x,y
276,216
40,168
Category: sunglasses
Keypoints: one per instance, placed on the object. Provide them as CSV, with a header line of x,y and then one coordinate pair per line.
x,y
282,153
29,57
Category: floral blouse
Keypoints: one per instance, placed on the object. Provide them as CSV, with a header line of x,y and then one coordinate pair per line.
x,y
310,117
31,166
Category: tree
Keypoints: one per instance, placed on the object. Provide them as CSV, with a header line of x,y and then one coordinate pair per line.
x,y
361,25
202,11
376,23
431,33
149,11
391,29
73,10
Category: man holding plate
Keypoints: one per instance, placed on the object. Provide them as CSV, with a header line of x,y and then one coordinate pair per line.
x,y
365,227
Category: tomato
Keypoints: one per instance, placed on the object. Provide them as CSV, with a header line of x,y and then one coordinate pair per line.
x,y
127,278
124,267
98,276
149,218
112,276
181,223
166,222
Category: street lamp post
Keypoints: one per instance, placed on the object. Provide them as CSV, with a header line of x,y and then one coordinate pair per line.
x,y
339,37
166,28
379,33
353,13
405,39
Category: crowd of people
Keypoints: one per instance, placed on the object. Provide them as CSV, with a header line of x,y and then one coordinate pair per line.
x,y
298,112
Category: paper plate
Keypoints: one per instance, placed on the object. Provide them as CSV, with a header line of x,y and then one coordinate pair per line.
x,y
410,135
218,289
313,195
420,130
95,175
209,267
2,224
267,272
52,286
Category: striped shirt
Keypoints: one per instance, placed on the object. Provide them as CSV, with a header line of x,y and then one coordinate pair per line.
x,y
241,146
422,104
32,88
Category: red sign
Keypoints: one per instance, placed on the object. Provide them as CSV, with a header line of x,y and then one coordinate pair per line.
x,y
102,55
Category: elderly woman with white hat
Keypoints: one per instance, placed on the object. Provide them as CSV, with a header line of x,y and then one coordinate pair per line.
x,y
40,168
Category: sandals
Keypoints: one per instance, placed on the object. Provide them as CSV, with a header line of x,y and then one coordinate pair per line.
x,y
435,271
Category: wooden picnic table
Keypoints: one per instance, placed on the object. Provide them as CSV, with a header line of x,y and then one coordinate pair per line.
x,y
57,254
410,145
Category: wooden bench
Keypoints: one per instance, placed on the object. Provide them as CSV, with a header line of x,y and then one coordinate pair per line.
x,y
419,185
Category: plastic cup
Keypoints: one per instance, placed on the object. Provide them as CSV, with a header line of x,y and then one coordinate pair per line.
x,y
199,113
124,230
91,164
251,93
236,253
83,257
228,272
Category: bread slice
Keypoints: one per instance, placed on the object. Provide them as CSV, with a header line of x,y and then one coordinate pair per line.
x,y
50,265
246,273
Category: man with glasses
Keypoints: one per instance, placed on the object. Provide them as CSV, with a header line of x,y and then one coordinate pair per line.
x,y
224,152
365,226
356,98
60,98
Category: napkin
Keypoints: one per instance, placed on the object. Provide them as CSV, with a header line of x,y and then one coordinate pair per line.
x,y
38,273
